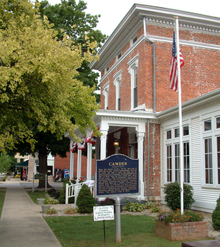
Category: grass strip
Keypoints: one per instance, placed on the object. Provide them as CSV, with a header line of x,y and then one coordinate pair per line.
x,y
36,194
2,198
82,231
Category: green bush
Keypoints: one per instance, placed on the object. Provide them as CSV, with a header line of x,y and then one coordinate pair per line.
x,y
172,195
150,205
50,201
216,216
107,201
52,192
134,207
85,201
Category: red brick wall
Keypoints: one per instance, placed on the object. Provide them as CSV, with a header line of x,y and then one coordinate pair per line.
x,y
64,163
182,231
154,167
199,75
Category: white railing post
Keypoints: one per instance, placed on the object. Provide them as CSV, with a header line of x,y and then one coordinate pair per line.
x,y
67,196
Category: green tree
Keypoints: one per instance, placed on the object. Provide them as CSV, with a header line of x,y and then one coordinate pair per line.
x,y
5,163
73,20
39,91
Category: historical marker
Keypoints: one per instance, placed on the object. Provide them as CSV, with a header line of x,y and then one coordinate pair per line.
x,y
118,174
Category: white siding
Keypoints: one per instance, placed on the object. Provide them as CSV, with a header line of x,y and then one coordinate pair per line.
x,y
205,195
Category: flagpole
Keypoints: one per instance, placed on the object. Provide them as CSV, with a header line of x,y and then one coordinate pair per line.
x,y
180,116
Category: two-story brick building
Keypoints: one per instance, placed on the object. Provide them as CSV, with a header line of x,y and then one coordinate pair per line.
x,y
139,109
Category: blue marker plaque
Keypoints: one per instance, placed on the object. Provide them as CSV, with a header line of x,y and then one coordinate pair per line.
x,y
118,174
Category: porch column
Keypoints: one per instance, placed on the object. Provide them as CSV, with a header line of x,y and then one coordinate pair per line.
x,y
71,161
89,161
103,144
140,139
79,163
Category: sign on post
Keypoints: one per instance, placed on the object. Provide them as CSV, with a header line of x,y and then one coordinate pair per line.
x,y
103,213
42,177
117,175
39,176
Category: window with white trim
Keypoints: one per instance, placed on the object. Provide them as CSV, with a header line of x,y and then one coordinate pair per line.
x,y
211,148
117,83
105,92
133,70
173,154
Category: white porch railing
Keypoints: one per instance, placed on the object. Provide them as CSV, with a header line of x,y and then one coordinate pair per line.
x,y
72,190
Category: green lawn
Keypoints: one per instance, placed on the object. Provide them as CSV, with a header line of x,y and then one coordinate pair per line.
x,y
2,198
136,230
36,194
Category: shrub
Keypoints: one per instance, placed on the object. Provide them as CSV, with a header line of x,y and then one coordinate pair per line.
x,y
50,201
216,216
70,211
177,217
172,195
85,201
155,210
134,207
57,195
107,201
151,205
52,192
51,211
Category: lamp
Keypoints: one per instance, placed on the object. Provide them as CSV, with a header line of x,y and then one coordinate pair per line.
x,y
116,143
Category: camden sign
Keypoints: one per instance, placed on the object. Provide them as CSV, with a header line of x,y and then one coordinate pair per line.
x,y
117,175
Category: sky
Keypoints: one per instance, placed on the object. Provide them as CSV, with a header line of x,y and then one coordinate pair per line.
x,y
112,12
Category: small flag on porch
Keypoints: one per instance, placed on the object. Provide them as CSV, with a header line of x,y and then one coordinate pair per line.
x,y
81,145
173,66
89,137
74,144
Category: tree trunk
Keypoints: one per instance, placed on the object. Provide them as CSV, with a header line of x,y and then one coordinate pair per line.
x,y
43,166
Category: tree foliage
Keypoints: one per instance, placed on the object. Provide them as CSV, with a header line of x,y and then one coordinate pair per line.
x,y
38,85
5,163
73,20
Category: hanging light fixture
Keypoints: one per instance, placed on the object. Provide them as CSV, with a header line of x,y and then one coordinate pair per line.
x,y
116,142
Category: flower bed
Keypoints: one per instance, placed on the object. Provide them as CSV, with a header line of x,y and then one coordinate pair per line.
x,y
182,231
176,226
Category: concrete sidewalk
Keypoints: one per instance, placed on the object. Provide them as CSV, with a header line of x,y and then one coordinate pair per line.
x,y
21,222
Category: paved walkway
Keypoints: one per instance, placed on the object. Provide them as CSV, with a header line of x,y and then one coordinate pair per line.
x,y
21,222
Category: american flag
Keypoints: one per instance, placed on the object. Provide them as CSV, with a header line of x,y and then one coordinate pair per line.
x,y
173,66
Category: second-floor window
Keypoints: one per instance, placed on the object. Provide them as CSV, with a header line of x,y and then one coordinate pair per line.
x,y
105,92
133,70
135,88
117,83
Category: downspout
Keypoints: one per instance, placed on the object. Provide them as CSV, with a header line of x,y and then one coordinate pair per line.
x,y
154,70
148,160
154,109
